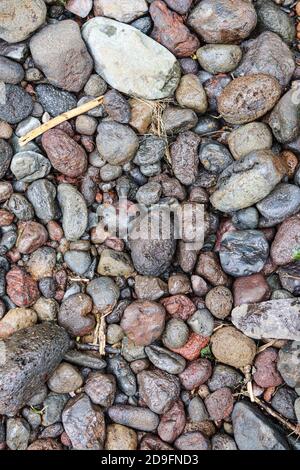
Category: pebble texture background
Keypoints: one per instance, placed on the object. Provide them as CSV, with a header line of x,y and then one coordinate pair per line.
x,y
107,340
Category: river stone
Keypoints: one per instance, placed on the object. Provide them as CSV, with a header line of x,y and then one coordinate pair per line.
x,y
67,63
116,143
10,71
283,119
41,349
184,157
253,431
219,58
249,137
120,437
77,261
281,203
20,207
135,417
125,11
243,252
6,153
143,321
280,63
247,181
84,359
42,194
16,105
104,293
124,375
248,98
276,319
214,156
158,389
55,101
75,315
178,119
130,61
19,19
218,21
29,166
74,211
272,18
165,360
289,363
84,424
286,242
232,347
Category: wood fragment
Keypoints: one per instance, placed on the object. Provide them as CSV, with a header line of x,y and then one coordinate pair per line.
x,y
266,346
84,108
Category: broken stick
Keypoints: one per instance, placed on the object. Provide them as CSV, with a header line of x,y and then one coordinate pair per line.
x,y
84,108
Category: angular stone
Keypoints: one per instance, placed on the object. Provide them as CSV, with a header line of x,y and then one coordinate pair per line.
x,y
184,157
158,389
275,319
67,63
20,19
41,349
114,263
119,50
29,166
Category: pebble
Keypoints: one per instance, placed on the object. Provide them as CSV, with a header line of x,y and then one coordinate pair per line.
x,y
118,50
65,379
172,422
17,434
219,302
6,154
283,119
179,284
179,306
74,315
67,63
84,424
219,58
278,319
248,98
19,20
29,166
21,287
197,411
165,360
95,86
214,156
104,293
46,309
149,193
31,236
178,120
176,334
209,267
16,319
135,417
192,441
224,376
151,150
125,377
181,6
117,107
249,137
196,374
10,71
288,363
41,348
281,203
219,23
184,157
125,12
114,263
232,347
266,373
219,404
250,289
272,18
29,124
247,181
202,322
158,389
44,444
85,360
77,261
223,442
297,409
143,322
286,241
289,277
141,115
74,211
170,31
18,104
260,434
120,437
132,352
53,406
116,143
55,101
206,124
6,130
280,64
283,402
42,195
236,259
64,153
79,7
101,388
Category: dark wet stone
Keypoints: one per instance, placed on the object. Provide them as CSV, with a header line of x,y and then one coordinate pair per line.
x,y
6,154
18,105
124,375
158,389
165,360
283,402
281,203
272,18
214,156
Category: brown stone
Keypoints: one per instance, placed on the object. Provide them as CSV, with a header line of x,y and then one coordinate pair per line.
x,y
31,236
152,442
287,241
191,350
179,306
65,155
266,373
219,302
179,284
208,266
21,288
158,389
191,94
170,31
184,157
232,347
250,289
45,444
219,404
120,437
101,388
141,115
74,315
181,6
196,374
172,422
143,322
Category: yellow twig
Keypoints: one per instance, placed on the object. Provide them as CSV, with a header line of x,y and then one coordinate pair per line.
x,y
84,108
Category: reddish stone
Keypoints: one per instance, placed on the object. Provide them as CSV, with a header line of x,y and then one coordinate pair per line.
x,y
170,31
64,153
115,244
208,266
67,128
179,306
45,444
192,441
61,278
225,226
266,373
269,267
31,236
88,143
143,321
55,231
192,348
172,423
13,255
21,287
219,404
196,374
250,289
291,162
6,217
65,440
287,241
152,442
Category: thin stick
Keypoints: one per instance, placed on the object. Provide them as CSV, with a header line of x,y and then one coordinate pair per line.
x,y
84,108
266,346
